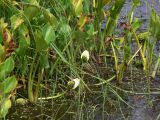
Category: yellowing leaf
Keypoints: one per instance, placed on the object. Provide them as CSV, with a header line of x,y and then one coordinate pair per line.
x,y
6,104
78,6
104,2
16,21
21,101
3,24
2,54
50,18
82,21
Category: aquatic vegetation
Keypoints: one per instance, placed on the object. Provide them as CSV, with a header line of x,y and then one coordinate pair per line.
x,y
42,57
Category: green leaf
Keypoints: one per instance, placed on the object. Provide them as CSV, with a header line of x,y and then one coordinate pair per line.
x,y
16,21
2,75
2,26
8,85
136,2
23,30
90,29
50,18
2,54
4,107
114,15
1,36
154,24
80,36
144,36
86,7
48,33
31,11
115,11
78,6
41,44
24,40
44,60
65,29
6,67
24,43
33,2
9,65
136,24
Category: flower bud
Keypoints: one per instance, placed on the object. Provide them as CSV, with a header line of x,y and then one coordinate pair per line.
x,y
73,84
85,55
76,83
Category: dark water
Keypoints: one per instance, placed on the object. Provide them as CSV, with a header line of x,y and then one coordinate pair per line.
x,y
145,106
142,106
142,12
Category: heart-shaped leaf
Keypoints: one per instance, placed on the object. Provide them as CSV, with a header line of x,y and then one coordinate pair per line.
x,y
9,65
48,33
50,18
31,11
8,85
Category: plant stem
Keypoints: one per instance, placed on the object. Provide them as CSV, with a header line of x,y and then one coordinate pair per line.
x,y
30,80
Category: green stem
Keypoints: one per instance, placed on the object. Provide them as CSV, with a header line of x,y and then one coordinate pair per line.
x,y
40,76
30,80
141,52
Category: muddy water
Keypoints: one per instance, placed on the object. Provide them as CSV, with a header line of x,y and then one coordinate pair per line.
x,y
145,106
142,106
142,12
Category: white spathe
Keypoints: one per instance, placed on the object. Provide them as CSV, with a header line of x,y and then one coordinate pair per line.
x,y
76,83
85,55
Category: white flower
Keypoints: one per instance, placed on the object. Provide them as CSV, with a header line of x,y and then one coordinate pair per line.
x,y
85,55
76,83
